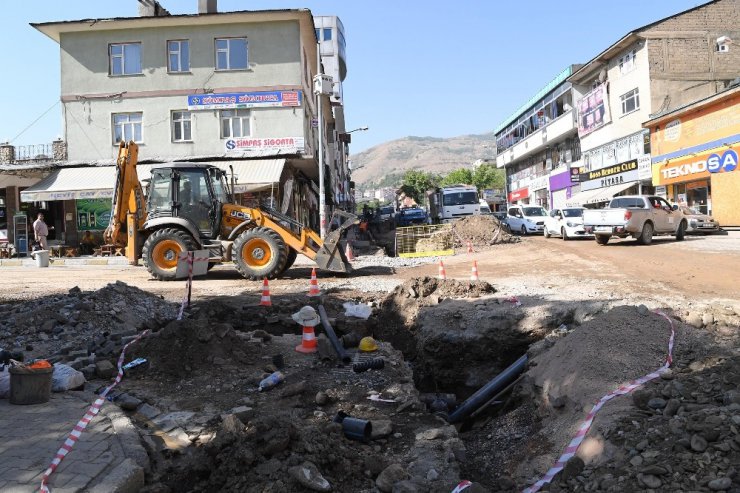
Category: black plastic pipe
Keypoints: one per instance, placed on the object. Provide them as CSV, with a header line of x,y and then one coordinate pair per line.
x,y
490,389
333,336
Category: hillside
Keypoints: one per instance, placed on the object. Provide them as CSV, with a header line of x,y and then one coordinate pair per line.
x,y
385,163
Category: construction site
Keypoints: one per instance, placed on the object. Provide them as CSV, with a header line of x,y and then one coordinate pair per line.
x,y
479,385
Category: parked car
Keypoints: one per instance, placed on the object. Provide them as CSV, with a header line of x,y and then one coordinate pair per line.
x,y
566,222
485,209
698,222
385,213
411,215
526,219
639,216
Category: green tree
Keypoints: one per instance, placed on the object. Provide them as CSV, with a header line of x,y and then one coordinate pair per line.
x,y
416,183
460,176
487,176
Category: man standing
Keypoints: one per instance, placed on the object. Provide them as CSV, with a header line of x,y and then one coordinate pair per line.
x,y
41,231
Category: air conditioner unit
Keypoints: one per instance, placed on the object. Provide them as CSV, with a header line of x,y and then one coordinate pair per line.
x,y
723,48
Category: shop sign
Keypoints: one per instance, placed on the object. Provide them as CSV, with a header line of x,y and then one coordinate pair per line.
x,y
695,167
612,175
661,191
93,214
644,167
520,194
235,100
610,170
593,111
539,183
575,174
289,145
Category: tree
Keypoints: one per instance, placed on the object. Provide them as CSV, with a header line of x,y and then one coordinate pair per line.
x,y
416,183
487,176
460,176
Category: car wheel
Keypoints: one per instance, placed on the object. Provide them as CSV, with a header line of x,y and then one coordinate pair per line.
x,y
546,232
602,239
681,233
646,237
564,233
524,230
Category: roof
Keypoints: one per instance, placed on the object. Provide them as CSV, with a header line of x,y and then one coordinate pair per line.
x,y
54,29
724,94
600,60
559,79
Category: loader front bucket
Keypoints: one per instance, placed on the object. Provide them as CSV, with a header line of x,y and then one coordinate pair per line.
x,y
330,256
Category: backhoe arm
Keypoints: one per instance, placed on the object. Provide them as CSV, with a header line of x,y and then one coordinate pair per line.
x,y
128,196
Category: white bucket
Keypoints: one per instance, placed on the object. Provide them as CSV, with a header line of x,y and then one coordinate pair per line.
x,y
42,258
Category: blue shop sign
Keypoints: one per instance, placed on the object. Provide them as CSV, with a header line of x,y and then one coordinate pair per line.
x,y
237,100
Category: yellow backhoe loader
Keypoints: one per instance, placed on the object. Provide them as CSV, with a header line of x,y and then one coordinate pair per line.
x,y
189,206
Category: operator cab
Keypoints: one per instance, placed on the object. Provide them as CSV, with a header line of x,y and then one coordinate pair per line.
x,y
193,192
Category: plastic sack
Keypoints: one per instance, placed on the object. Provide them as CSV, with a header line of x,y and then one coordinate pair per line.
x,y
357,310
65,378
4,384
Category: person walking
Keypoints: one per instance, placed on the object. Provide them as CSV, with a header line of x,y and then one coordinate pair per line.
x,y
41,231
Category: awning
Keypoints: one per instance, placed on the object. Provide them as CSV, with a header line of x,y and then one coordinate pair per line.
x,y
607,193
580,198
97,182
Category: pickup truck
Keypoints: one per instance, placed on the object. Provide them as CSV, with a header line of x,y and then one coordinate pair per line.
x,y
639,216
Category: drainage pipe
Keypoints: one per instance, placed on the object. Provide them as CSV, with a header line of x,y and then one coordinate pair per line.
x,y
484,394
333,337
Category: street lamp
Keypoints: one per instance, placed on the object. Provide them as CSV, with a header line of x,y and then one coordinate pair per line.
x,y
359,129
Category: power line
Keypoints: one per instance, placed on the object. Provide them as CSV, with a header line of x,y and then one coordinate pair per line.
x,y
34,122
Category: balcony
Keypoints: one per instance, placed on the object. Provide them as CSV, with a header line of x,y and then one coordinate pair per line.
x,y
552,133
29,154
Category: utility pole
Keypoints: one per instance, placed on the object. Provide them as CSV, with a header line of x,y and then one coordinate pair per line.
x,y
322,85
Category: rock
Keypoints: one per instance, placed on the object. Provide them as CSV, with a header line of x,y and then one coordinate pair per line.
x,y
432,475
381,428
322,399
573,468
149,412
695,319
294,389
308,475
128,402
731,397
643,310
204,334
390,476
222,330
656,403
650,481
698,443
707,319
642,445
637,461
667,374
655,470
671,408
641,397
105,369
408,486
720,484
232,425
48,326
435,433
243,413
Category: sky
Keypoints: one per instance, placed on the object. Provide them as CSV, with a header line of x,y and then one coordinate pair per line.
x,y
414,67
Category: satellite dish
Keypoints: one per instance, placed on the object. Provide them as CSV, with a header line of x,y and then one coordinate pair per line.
x,y
602,75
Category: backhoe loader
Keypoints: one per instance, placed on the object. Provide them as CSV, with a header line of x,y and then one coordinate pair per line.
x,y
189,206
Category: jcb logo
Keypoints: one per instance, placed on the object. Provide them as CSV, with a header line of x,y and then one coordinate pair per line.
x,y
240,215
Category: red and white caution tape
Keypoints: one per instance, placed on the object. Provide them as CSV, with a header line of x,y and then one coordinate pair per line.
x,y
463,485
572,447
94,409
514,300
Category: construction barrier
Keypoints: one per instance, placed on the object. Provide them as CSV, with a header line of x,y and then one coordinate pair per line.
x,y
428,240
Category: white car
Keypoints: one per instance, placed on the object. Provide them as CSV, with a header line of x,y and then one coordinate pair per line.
x,y
566,222
526,219
698,222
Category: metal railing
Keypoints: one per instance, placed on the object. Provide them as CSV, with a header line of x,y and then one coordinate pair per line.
x,y
37,152
427,240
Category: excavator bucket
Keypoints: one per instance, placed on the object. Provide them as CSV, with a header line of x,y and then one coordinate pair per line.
x,y
330,256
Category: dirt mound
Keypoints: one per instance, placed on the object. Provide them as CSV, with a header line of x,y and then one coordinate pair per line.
x,y
481,231
424,287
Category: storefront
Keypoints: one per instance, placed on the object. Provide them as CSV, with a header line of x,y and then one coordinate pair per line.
x,y
520,196
696,152
600,186
561,186
540,194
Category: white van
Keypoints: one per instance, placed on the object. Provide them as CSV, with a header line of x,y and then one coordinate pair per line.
x,y
484,208
526,219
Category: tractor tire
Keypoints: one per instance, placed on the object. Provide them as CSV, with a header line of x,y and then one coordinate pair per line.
x,y
162,249
646,236
260,253
292,255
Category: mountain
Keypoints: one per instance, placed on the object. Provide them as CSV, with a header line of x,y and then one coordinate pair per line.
x,y
385,164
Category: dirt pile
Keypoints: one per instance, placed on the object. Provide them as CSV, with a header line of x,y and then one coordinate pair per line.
x,y
481,231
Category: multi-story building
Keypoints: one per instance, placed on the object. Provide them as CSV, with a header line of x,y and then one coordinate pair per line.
x,y
233,88
649,71
538,142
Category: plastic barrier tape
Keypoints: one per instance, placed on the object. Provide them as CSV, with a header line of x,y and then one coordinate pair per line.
x,y
572,447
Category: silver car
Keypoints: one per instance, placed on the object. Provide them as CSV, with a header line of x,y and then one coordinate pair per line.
x,y
698,222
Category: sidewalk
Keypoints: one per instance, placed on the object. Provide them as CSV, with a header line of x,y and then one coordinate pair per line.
x,y
107,458
65,261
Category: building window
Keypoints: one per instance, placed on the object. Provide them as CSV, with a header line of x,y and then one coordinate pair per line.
x,y
327,34
126,127
178,55
231,54
234,123
125,58
182,127
318,34
630,101
627,62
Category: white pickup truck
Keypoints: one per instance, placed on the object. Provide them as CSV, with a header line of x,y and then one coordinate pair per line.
x,y
639,216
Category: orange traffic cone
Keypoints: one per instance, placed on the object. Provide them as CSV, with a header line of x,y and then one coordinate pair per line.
x,y
349,253
265,301
474,271
442,273
470,247
308,342
313,289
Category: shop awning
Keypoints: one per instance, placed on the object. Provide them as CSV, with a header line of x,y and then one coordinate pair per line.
x,y
73,183
580,198
607,193
97,182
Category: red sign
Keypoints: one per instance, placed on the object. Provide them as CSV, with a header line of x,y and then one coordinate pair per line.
x,y
520,194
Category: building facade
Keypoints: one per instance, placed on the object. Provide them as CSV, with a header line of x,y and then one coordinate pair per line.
x,y
695,155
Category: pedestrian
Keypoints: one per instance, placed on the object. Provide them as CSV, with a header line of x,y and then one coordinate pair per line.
x,y
41,231
88,243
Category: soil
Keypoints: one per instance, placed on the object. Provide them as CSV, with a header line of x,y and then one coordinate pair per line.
x,y
481,231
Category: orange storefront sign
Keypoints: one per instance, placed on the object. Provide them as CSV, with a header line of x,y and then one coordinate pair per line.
x,y
685,169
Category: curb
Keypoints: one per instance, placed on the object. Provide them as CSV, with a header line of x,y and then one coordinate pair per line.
x,y
62,262
126,477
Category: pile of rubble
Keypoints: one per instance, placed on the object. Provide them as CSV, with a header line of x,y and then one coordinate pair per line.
x,y
481,231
